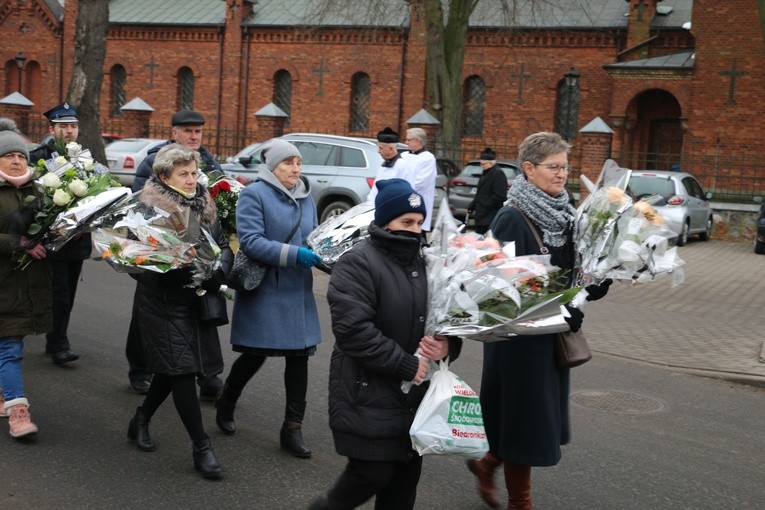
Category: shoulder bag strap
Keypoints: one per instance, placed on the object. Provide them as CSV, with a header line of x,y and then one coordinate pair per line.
x,y
542,248
294,229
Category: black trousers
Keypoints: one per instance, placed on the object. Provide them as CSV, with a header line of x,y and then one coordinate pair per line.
x,y
184,398
66,274
212,357
394,484
481,229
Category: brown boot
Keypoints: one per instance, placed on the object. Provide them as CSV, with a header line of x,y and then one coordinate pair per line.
x,y
518,482
484,469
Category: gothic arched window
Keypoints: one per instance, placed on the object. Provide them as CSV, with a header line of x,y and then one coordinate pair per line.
x,y
185,89
473,98
283,92
118,78
361,91
567,106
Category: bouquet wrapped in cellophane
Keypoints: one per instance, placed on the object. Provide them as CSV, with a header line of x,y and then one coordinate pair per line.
x,y
479,289
135,237
338,234
619,238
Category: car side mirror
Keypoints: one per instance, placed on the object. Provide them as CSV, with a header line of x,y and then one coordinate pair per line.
x,y
245,160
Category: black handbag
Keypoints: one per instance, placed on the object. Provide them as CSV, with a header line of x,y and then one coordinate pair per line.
x,y
246,274
213,309
571,349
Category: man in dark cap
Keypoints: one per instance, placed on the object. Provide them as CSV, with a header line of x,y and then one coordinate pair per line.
x,y
66,263
490,194
187,130
63,125
393,166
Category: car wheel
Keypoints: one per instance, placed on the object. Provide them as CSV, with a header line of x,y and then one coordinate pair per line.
x,y
682,240
334,209
704,236
759,246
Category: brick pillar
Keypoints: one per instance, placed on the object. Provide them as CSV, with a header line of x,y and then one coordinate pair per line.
x,y
137,118
594,142
271,121
18,108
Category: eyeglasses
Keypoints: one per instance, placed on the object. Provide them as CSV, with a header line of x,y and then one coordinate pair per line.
x,y
556,169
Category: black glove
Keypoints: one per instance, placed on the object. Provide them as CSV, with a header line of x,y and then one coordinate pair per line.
x,y
595,292
217,279
575,321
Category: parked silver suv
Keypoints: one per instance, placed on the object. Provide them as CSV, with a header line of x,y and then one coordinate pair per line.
x,y
341,169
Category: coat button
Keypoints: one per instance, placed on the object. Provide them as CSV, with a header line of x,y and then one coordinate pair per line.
x,y
415,274
422,318
365,384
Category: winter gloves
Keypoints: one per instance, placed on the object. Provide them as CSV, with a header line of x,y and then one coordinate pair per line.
x,y
306,258
595,292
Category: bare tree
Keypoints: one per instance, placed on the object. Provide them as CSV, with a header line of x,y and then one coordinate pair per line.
x,y
85,88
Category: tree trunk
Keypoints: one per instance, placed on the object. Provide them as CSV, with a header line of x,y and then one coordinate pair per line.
x,y
446,54
85,88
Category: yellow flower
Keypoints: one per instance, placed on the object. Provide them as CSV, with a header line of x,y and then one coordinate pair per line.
x,y
615,195
50,180
61,198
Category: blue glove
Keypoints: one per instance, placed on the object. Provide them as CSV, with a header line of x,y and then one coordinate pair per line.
x,y
306,258
575,321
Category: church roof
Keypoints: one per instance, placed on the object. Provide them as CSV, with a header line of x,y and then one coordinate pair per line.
x,y
167,12
681,60
385,13
56,7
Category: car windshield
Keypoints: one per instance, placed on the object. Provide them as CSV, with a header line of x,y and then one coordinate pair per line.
x,y
128,145
644,186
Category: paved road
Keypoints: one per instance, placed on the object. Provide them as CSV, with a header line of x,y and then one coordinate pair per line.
x,y
645,437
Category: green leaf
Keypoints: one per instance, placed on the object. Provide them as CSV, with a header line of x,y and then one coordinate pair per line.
x,y
34,229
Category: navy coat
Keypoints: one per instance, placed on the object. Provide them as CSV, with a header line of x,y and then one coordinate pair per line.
x,y
524,395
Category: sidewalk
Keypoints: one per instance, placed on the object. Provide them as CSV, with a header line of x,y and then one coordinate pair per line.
x,y
711,325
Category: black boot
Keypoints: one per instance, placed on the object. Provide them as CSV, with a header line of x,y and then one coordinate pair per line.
x,y
204,459
138,432
290,437
225,403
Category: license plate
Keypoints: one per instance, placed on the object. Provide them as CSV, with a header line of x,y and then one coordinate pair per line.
x,y
473,191
112,164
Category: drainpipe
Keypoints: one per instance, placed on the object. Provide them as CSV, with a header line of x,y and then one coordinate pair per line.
x,y
222,31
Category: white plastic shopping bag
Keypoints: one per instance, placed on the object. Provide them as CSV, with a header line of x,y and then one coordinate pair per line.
x,y
449,419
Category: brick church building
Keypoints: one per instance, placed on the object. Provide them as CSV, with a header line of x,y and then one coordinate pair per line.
x,y
662,84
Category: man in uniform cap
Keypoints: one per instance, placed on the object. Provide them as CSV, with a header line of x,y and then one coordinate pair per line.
x,y
393,166
187,130
490,194
66,263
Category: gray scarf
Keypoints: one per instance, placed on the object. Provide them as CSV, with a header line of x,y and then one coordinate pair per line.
x,y
553,215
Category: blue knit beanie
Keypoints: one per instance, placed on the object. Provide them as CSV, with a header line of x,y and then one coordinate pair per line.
x,y
396,197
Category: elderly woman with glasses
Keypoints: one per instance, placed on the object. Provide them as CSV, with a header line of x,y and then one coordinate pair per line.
x,y
524,395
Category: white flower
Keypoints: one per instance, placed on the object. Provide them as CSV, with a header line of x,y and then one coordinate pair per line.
x,y
73,148
78,187
89,166
50,180
60,161
61,197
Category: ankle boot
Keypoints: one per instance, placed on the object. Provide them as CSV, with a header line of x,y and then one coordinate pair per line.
x,y
225,403
19,421
204,459
484,469
291,439
138,431
518,482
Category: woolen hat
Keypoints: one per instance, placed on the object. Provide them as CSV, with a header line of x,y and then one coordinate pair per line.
x,y
62,113
394,198
488,155
387,135
11,142
187,117
275,151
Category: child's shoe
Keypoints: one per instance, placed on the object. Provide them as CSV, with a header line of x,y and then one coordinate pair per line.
x,y
19,421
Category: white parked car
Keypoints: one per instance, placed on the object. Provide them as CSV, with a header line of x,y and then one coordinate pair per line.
x,y
124,155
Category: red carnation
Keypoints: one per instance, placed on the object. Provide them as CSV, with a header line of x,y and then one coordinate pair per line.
x,y
224,186
214,190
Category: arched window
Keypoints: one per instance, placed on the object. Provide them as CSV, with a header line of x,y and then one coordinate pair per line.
x,y
361,91
118,78
11,77
567,106
185,89
473,98
32,78
283,92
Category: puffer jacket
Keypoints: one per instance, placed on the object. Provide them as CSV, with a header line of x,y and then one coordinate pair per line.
x,y
25,296
378,300
167,310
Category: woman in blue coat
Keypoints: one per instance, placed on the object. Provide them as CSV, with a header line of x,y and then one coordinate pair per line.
x,y
274,216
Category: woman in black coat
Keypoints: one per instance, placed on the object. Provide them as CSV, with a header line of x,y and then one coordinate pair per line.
x,y
490,194
168,307
524,395
378,299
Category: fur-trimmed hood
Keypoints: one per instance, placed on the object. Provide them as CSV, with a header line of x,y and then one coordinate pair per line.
x,y
157,193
